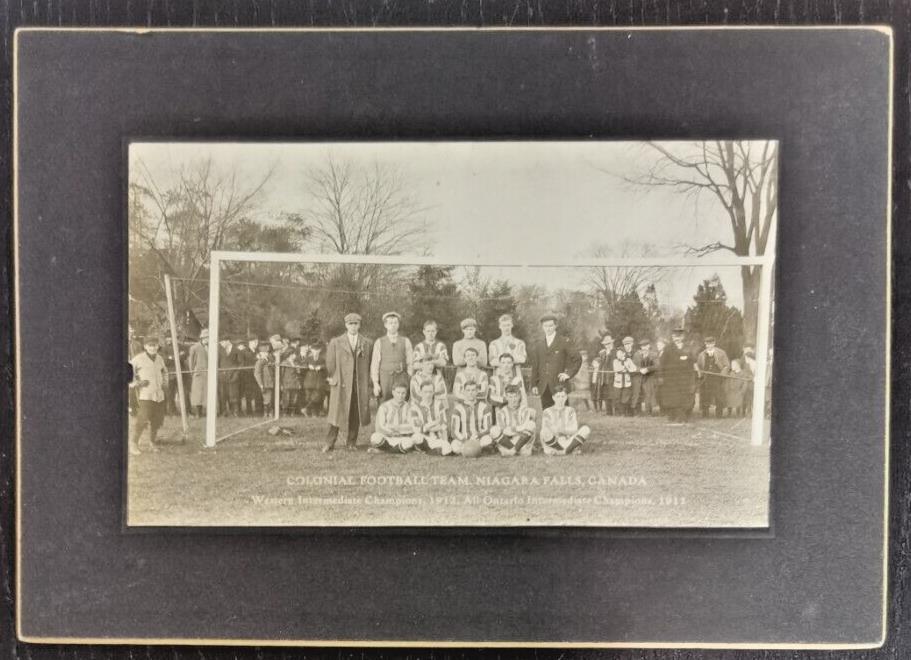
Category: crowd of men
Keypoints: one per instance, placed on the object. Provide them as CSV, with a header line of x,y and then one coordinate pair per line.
x,y
472,402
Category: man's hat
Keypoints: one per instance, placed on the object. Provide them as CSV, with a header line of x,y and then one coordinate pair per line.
x,y
678,332
389,315
468,323
315,342
264,345
505,317
645,342
204,333
628,340
513,388
709,339
150,340
607,339
548,317
352,318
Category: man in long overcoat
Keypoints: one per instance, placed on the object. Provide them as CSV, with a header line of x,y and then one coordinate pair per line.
x,y
678,380
348,359
198,364
554,359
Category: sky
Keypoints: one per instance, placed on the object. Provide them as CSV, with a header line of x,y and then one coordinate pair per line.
x,y
507,202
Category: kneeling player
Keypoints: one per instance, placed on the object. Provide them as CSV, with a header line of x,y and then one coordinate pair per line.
x,y
394,428
560,430
471,420
428,414
514,432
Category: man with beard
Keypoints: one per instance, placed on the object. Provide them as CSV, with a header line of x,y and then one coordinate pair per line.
x,y
678,380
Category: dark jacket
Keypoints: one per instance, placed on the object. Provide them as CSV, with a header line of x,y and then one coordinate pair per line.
x,y
548,362
678,378
342,365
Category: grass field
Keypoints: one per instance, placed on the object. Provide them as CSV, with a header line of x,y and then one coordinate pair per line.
x,y
634,472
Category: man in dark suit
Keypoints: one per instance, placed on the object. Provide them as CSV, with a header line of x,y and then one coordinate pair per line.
x,y
554,359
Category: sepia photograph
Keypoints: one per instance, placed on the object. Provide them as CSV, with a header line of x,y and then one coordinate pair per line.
x,y
440,333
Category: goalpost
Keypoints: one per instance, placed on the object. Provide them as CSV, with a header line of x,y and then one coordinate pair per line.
x,y
219,258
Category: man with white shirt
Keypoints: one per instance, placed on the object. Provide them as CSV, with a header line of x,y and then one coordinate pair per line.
x,y
150,379
348,369
392,359
554,360
506,343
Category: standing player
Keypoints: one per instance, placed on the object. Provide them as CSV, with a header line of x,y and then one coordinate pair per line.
x,y
430,346
514,432
560,430
469,330
392,356
506,343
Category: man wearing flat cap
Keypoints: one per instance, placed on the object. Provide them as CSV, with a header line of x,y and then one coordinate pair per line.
x,y
392,360
469,340
150,382
711,362
554,360
677,380
348,374
198,363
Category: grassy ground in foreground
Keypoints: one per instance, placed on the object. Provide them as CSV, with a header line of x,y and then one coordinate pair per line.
x,y
634,472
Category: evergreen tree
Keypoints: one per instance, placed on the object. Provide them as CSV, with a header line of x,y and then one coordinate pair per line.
x,y
498,300
711,315
434,296
630,318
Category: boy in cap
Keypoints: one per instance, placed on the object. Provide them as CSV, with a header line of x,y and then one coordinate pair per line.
x,y
469,329
150,380
394,425
514,432
506,343
313,378
430,346
645,380
471,420
470,372
582,382
602,375
560,431
428,414
425,373
264,374
392,357
623,369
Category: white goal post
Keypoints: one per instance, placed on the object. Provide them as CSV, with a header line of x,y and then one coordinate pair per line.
x,y
766,264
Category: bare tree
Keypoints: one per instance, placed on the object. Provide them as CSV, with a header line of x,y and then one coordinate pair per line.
x,y
614,285
361,209
185,215
741,175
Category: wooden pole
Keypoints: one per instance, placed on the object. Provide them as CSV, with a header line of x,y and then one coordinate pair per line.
x,y
172,322
212,373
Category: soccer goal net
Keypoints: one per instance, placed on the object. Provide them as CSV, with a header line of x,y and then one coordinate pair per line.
x,y
258,370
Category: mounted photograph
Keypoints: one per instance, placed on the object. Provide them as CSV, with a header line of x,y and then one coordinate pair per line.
x,y
450,333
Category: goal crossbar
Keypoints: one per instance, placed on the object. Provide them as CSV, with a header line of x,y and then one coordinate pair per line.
x,y
765,262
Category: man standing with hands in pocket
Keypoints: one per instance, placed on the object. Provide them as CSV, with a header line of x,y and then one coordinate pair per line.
x,y
348,368
554,360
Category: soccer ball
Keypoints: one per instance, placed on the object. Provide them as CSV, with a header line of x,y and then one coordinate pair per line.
x,y
471,448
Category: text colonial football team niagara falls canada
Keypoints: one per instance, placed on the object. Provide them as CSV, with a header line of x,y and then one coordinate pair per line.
x,y
323,334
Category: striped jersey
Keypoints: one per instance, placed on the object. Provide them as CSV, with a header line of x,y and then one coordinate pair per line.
x,y
470,419
422,415
465,374
439,386
509,418
436,349
559,421
392,415
512,345
498,384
